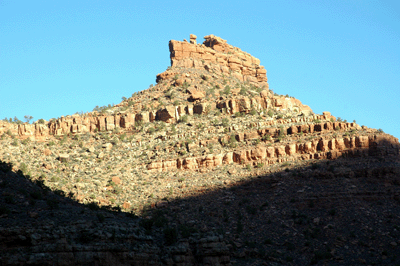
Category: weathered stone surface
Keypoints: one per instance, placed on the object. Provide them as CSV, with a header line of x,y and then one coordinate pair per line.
x,y
107,146
318,148
47,152
116,180
196,94
63,157
166,114
193,39
216,50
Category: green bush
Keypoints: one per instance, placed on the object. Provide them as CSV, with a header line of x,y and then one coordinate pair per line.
x,y
185,85
266,137
243,91
239,114
15,142
232,141
183,119
227,90
225,122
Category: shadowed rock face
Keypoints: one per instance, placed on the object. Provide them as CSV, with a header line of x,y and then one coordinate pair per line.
x,y
199,156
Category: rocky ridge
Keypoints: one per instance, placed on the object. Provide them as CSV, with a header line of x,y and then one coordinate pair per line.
x,y
209,124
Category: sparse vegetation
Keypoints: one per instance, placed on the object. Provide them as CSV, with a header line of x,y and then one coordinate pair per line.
x,y
224,174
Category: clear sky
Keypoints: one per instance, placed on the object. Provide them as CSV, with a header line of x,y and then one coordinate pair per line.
x,y
62,57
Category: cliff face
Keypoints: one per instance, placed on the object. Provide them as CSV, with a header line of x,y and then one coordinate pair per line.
x,y
215,54
219,79
209,124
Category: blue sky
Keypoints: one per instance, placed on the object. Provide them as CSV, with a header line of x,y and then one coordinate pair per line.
x,y
62,57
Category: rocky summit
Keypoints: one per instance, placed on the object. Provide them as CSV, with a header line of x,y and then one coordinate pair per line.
x,y
207,167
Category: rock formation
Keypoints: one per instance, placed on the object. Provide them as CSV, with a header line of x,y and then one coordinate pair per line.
x,y
209,123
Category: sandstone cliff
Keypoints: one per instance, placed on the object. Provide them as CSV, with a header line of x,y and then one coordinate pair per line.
x,y
209,125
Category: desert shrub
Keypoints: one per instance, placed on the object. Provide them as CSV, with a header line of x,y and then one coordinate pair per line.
x,y
243,91
183,119
227,90
266,137
225,122
210,92
23,168
185,85
239,114
173,129
232,141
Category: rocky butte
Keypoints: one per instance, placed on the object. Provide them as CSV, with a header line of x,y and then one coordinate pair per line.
x,y
206,167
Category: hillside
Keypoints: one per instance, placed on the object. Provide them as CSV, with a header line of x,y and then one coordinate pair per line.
x,y
209,167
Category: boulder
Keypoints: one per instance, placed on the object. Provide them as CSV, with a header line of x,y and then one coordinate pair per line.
x,y
166,114
193,39
63,158
195,94
116,180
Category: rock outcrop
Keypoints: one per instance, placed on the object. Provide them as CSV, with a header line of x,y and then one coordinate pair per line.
x,y
217,55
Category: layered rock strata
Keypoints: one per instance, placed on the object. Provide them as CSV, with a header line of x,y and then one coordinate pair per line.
x,y
77,124
325,147
216,54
